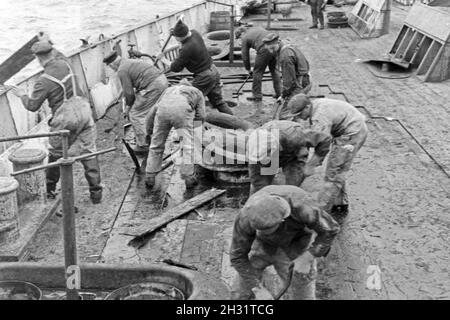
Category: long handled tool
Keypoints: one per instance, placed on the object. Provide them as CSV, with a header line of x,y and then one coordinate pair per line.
x,y
236,94
287,284
167,41
132,155
277,107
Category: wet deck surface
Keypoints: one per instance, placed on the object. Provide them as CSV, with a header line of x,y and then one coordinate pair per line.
x,y
400,203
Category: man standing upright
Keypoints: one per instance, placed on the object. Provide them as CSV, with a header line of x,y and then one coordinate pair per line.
x,y
196,59
348,128
70,111
317,8
294,70
252,39
142,85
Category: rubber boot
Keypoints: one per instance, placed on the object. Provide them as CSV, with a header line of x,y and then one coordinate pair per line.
x,y
52,177
92,174
224,108
339,213
150,180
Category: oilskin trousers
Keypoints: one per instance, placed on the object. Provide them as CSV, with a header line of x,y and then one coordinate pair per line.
x,y
343,151
142,105
317,11
78,120
175,113
292,169
263,60
263,255
208,82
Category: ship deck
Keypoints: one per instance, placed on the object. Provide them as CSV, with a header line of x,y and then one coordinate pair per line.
x,y
398,186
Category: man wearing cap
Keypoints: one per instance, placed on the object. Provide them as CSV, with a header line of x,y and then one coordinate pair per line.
x,y
69,110
142,85
289,150
275,227
294,69
348,128
252,39
182,107
317,8
196,59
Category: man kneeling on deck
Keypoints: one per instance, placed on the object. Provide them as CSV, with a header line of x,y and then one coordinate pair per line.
x,y
275,227
294,70
348,128
70,111
288,150
194,56
182,107
142,85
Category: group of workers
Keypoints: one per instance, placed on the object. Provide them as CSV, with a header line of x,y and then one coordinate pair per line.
x,y
279,223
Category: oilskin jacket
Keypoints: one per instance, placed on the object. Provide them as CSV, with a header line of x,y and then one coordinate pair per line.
x,y
293,139
336,117
304,217
135,75
46,89
252,39
294,66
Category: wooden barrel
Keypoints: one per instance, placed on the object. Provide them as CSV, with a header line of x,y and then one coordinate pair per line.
x,y
220,20
9,210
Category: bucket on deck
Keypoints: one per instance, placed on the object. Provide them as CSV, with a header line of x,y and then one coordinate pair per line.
x,y
31,185
220,20
19,290
147,291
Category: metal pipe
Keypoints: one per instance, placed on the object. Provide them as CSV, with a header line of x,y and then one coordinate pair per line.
x,y
33,136
57,163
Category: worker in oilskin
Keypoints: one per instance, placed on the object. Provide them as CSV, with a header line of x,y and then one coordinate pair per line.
x,y
276,227
196,59
252,39
181,107
70,111
349,131
317,8
289,151
142,85
294,70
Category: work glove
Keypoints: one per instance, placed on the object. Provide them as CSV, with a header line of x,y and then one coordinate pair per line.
x,y
126,112
135,53
250,73
304,263
261,293
320,250
280,100
309,170
18,92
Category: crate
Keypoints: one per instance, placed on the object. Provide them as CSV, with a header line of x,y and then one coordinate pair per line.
x,y
370,18
424,43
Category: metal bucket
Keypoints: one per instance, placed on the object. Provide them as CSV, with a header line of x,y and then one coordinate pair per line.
x,y
147,291
19,290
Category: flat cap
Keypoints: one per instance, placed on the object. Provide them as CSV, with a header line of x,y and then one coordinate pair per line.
x,y
266,211
41,47
271,37
110,57
298,103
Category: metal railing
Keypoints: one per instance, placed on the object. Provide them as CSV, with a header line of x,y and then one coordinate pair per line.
x,y
66,168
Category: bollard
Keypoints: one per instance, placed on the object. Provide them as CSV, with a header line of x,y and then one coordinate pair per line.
x,y
9,225
31,185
